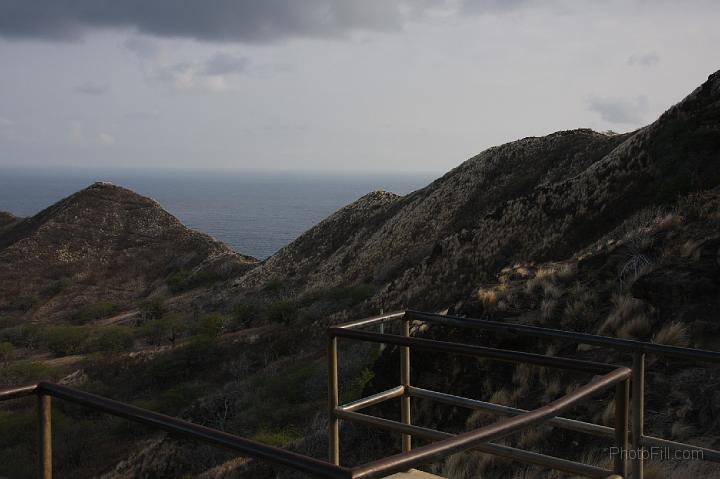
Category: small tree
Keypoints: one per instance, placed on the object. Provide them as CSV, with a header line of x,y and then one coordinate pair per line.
x,y
212,325
152,308
7,353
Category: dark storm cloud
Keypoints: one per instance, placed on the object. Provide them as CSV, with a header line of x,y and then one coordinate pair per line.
x,y
214,20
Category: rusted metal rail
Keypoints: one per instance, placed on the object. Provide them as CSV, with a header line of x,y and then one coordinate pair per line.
x,y
606,377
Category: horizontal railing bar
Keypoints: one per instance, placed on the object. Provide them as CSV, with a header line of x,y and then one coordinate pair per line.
x,y
711,455
583,338
178,426
565,423
520,455
477,351
18,392
500,429
359,323
366,402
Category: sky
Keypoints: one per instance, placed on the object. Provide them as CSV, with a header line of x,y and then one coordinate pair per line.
x,y
333,85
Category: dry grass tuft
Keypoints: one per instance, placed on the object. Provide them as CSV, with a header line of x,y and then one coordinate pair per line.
x,y
553,389
637,328
548,308
467,465
625,308
672,334
501,397
530,437
681,431
489,299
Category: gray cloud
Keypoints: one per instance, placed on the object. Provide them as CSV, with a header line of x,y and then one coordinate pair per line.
x,y
645,60
214,20
481,7
93,89
619,110
225,64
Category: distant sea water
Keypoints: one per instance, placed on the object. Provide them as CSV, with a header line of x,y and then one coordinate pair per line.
x,y
254,213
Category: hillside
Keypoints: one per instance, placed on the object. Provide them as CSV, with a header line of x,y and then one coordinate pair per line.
x,y
615,234
102,244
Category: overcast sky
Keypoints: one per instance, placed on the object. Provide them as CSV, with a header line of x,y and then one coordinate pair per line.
x,y
333,85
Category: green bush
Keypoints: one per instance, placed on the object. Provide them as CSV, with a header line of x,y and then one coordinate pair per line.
x,y
282,311
63,340
152,308
176,280
7,353
242,314
25,372
277,437
273,285
184,279
24,335
110,339
24,302
211,325
93,312
54,287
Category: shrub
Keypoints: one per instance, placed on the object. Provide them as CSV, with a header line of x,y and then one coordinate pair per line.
x,y
110,339
64,340
95,311
243,314
273,285
175,280
24,302
7,352
282,311
211,325
277,437
24,335
152,308
25,372
55,287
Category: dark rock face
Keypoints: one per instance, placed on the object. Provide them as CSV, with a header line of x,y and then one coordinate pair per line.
x,y
104,243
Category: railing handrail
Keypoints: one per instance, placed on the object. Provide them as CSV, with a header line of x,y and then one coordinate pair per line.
x,y
472,350
500,429
175,425
629,345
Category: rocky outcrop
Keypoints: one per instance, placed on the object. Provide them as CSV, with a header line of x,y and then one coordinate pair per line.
x,y
104,243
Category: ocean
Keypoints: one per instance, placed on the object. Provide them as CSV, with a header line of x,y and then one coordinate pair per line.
x,y
254,213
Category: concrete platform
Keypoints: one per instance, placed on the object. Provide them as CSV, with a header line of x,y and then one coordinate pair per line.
x,y
413,474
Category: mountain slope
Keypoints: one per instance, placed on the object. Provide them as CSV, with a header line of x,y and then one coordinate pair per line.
x,y
104,243
536,198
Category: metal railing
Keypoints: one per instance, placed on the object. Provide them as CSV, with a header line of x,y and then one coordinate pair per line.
x,y
637,349
515,420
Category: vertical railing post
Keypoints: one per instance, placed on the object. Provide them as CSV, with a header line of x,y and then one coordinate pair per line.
x,y
638,412
405,381
622,396
333,398
44,433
